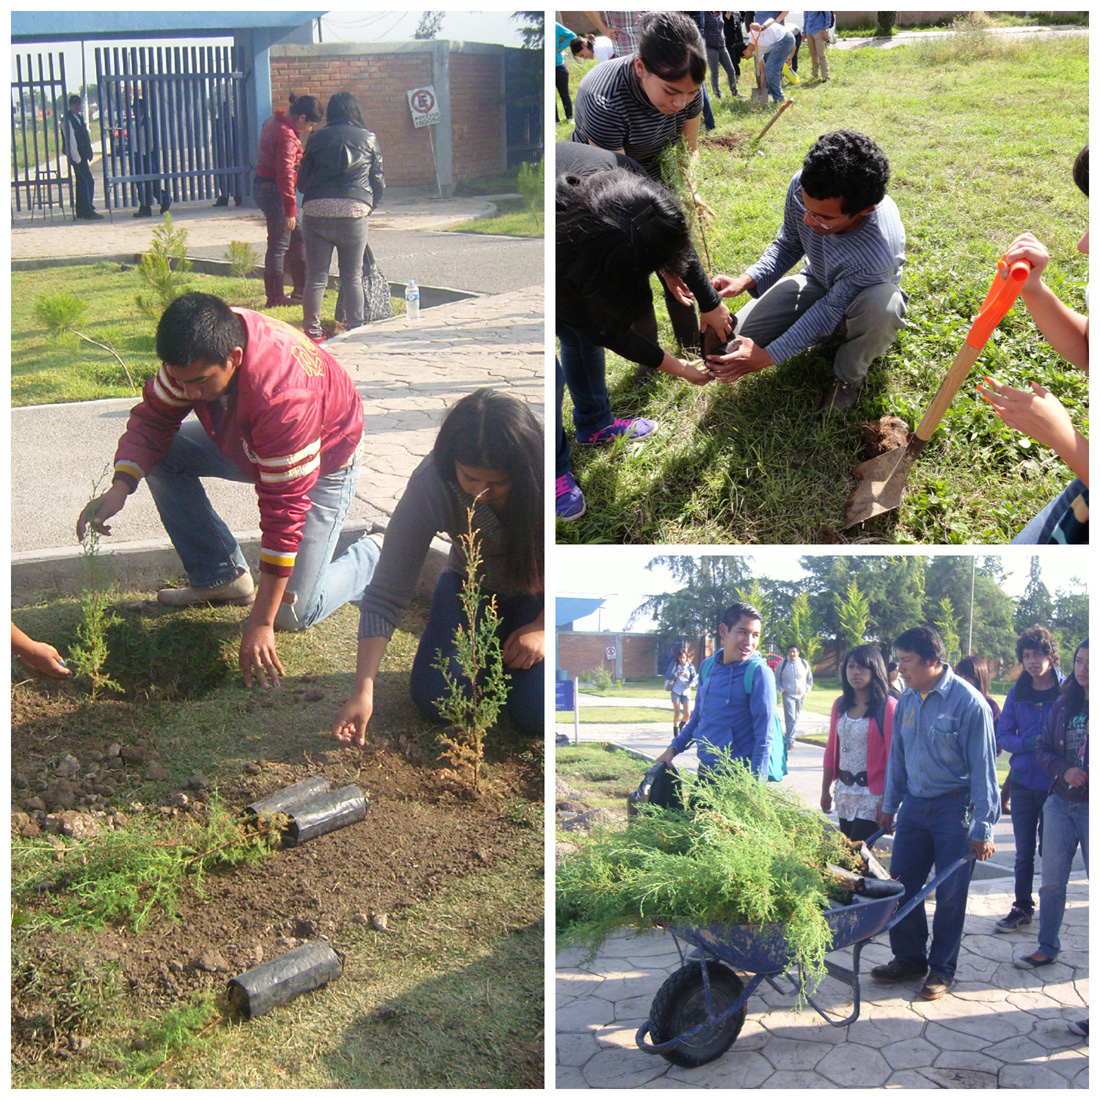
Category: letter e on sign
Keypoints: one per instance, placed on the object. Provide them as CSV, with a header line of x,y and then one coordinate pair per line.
x,y
424,106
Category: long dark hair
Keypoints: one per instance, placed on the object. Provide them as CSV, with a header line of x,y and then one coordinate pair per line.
x,y
868,657
614,229
1072,690
976,671
493,430
671,47
343,108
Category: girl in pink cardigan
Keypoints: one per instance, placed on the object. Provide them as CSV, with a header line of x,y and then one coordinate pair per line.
x,y
860,728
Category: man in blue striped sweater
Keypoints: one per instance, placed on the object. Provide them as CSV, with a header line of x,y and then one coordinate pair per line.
x,y
837,214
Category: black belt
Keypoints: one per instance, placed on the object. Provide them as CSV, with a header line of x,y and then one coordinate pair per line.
x,y
857,779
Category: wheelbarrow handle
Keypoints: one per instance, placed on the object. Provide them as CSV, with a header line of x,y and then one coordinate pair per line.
x,y
925,890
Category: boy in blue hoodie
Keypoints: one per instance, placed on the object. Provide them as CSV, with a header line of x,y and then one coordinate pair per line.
x,y
726,718
1024,716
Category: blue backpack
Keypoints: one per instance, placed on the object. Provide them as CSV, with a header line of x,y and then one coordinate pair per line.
x,y
777,743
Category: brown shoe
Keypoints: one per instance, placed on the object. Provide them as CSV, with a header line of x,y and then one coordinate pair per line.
x,y
240,591
936,987
842,397
894,971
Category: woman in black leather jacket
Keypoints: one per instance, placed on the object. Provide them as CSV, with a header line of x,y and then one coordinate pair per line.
x,y
341,182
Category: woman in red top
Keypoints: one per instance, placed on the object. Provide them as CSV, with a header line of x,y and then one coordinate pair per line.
x,y
860,729
274,188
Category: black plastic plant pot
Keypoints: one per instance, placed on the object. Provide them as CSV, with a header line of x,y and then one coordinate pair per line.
x,y
273,983
281,801
323,813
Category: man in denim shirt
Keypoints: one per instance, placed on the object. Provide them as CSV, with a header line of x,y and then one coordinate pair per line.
x,y
941,772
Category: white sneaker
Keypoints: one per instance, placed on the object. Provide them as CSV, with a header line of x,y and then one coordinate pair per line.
x,y
239,591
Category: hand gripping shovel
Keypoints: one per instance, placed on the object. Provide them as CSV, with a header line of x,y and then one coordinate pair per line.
x,y
883,478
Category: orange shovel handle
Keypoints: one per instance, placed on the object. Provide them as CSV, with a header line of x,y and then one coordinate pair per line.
x,y
998,301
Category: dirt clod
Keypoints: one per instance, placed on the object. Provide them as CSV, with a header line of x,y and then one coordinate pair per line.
x,y
882,435
134,754
211,961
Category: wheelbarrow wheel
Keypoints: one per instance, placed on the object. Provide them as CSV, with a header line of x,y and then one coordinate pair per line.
x,y
681,1004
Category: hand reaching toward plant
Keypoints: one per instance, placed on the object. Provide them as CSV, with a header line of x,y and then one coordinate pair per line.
x,y
100,509
349,727
37,657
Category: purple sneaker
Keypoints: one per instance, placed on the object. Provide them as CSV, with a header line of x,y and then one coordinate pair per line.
x,y
636,431
568,498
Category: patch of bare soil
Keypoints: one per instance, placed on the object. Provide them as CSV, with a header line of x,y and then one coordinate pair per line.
x,y
729,142
420,834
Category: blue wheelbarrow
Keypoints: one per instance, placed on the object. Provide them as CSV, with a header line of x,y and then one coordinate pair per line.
x,y
699,1011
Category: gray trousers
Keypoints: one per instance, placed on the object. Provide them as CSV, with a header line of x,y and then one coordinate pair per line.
x,y
792,708
870,324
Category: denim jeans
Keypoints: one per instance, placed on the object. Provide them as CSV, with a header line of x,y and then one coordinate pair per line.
x,y
708,111
525,688
349,237
1027,817
284,246
774,60
792,708
932,831
1065,825
870,325
582,369
211,555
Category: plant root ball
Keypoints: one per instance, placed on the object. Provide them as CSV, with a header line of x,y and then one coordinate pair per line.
x,y
882,435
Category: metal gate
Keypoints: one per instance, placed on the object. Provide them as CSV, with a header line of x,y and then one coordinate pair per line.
x,y
39,178
174,124
523,97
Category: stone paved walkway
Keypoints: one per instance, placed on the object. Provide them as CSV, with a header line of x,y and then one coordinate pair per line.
x,y
1002,1028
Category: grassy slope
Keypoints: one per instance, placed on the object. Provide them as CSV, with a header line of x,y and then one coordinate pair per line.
x,y
980,150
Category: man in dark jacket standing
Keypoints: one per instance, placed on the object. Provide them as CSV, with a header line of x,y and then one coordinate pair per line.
x,y
1023,719
78,148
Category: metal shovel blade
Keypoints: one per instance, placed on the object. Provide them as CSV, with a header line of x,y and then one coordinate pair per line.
x,y
760,95
882,480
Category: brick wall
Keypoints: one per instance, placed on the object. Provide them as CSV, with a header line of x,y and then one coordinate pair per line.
x,y
477,114
586,652
379,78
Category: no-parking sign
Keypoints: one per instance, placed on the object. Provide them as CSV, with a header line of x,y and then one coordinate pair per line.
x,y
424,106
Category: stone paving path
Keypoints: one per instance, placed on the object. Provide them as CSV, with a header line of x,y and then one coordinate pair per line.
x,y
1001,1028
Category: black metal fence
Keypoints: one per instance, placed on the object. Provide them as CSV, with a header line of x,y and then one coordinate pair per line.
x,y
523,97
174,125
39,177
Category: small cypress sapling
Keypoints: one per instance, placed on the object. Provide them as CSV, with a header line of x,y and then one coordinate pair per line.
x,y
164,267
474,696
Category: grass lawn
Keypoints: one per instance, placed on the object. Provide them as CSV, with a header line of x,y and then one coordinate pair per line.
x,y
603,775
512,219
598,715
981,134
46,369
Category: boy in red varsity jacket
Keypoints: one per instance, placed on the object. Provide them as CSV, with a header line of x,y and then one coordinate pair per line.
x,y
272,409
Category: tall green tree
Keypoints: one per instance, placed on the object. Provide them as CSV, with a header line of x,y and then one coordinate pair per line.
x,y
708,585
894,587
757,596
532,28
853,613
805,629
1036,605
1071,618
429,25
994,633
947,622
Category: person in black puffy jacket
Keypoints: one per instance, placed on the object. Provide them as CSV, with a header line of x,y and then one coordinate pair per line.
x,y
341,182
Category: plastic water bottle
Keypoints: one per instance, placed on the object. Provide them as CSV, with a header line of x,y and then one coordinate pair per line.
x,y
412,301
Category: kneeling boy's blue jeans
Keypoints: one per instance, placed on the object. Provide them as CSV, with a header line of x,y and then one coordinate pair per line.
x,y
932,831
211,556
525,688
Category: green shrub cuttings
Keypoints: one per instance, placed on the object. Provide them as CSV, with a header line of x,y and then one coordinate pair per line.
x,y
474,697
62,312
128,874
743,852
165,268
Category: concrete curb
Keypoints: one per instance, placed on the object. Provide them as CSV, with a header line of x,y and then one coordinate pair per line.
x,y
150,564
